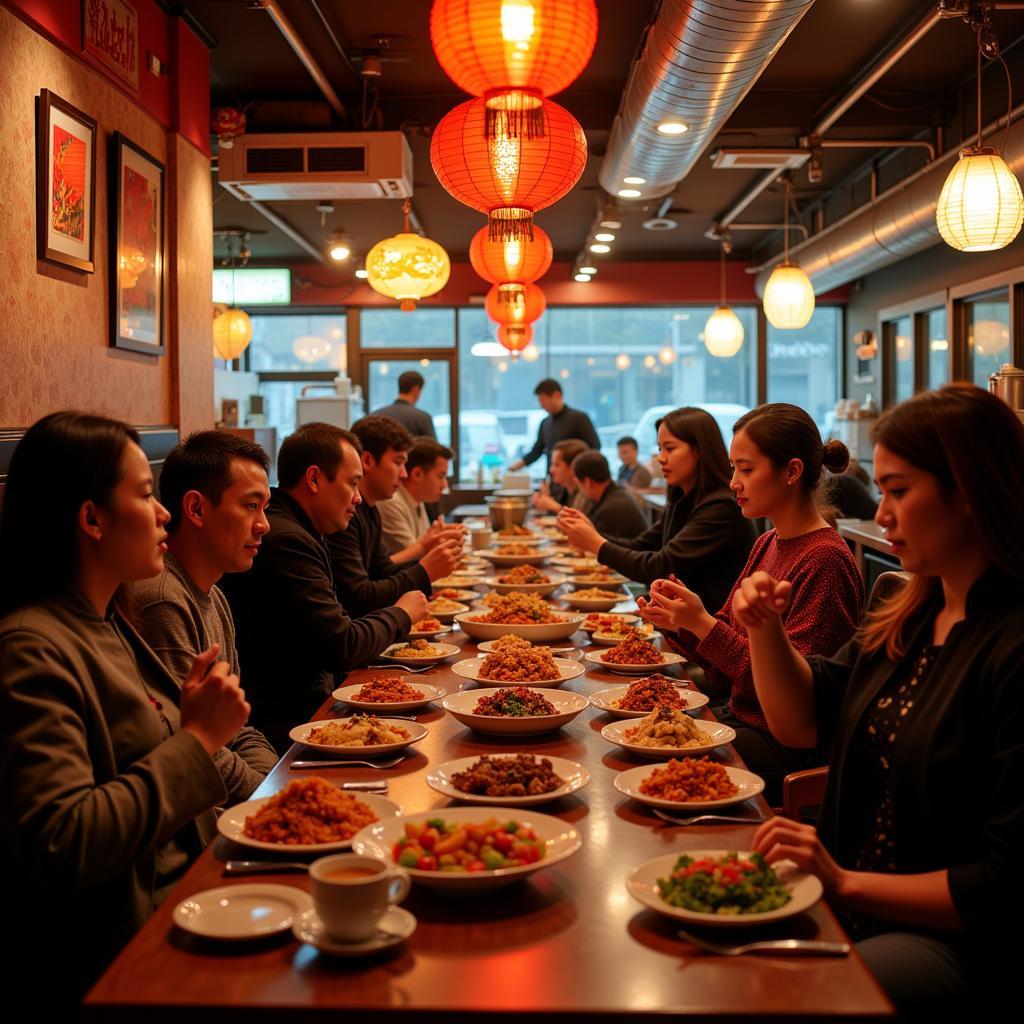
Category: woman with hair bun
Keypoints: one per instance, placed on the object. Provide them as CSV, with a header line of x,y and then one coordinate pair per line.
x,y
778,458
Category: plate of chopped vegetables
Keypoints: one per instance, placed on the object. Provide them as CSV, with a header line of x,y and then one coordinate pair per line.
x,y
723,888
462,848
514,710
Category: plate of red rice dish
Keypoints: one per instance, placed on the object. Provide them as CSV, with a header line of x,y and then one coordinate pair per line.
x,y
644,695
517,661
633,655
525,579
689,784
515,554
359,735
508,779
525,615
666,732
514,710
428,628
384,693
593,599
419,652
308,816
620,622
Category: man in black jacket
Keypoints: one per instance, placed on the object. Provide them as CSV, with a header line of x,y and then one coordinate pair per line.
x,y
561,424
293,635
612,509
364,575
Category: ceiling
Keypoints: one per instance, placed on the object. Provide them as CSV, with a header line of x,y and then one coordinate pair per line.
x,y
253,67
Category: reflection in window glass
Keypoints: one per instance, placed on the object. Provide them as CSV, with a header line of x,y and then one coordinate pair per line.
x,y
902,357
938,348
624,366
279,402
988,335
303,341
382,377
395,328
803,366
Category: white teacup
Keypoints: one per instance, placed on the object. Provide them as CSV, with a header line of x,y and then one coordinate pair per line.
x,y
481,537
352,893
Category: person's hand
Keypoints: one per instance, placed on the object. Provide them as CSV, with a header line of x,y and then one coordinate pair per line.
x,y
440,533
441,560
213,706
518,464
782,839
580,531
759,599
675,607
414,604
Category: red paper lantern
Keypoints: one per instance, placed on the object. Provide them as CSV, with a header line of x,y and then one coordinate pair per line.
x,y
513,303
513,52
515,337
227,124
517,259
510,177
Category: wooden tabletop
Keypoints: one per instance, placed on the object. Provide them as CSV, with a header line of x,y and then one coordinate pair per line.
x,y
569,944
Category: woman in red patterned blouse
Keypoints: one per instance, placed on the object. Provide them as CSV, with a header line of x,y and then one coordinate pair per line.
x,y
777,456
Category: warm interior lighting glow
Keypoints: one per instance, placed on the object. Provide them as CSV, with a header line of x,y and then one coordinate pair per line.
x,y
408,268
673,127
531,353
634,180
723,333
788,298
310,349
667,355
630,193
622,361
600,247
939,345
904,348
989,337
582,278
650,362
588,270
232,332
980,206
339,249
611,222
362,273
604,236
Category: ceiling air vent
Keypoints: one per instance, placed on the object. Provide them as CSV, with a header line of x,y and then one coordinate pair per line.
x,y
337,158
759,159
274,160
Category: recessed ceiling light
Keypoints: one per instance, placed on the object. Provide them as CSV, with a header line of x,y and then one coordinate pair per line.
x,y
339,250
600,247
611,223
674,127
634,180
588,270
630,193
362,273
604,236
582,278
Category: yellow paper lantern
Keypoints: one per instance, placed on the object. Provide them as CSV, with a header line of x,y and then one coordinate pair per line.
x,y
232,332
408,268
723,333
980,206
788,298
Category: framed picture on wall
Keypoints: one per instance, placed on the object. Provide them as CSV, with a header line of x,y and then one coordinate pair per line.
x,y
136,248
65,183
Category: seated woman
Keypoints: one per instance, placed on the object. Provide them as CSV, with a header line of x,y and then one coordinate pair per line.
x,y
566,492
109,780
702,536
778,458
921,834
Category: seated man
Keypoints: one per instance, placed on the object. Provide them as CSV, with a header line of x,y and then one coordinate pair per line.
x,y
631,472
612,508
214,486
293,634
365,577
406,529
562,456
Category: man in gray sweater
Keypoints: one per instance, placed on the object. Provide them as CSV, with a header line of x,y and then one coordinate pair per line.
x,y
214,485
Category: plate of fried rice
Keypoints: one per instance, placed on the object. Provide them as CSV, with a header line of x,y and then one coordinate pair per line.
x,y
361,735
689,784
514,711
308,816
530,666
383,694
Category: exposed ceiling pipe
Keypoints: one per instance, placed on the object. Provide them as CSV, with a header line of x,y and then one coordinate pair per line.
x,y
698,60
900,223
293,233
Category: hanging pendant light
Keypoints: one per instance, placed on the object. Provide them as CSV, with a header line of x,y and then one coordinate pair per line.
x,y
980,207
232,332
515,303
515,337
407,267
788,294
518,259
723,332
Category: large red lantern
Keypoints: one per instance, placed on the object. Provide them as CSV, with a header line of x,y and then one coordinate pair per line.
x,y
516,259
515,337
510,177
513,53
512,303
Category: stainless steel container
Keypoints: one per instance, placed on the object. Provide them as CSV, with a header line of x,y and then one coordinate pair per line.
x,y
1008,384
507,510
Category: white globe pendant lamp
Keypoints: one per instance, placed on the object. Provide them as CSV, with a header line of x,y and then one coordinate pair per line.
x,y
788,294
723,332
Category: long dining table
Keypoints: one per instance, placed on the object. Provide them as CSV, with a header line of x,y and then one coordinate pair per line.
x,y
567,944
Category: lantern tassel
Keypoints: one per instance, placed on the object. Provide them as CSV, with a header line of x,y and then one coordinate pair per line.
x,y
514,123
510,224
407,305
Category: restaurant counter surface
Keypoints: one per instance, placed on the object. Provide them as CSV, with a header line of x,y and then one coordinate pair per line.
x,y
569,944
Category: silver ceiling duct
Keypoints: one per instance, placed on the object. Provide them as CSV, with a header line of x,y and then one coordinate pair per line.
x,y
697,62
900,223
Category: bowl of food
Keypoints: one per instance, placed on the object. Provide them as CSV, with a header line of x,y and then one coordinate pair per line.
x,y
599,577
387,693
593,599
513,554
462,594
308,816
367,735
633,655
603,622
580,563
418,652
514,780
518,535
525,615
485,852
666,732
444,609
643,696
428,628
514,710
525,579
526,664
689,784
463,580
722,888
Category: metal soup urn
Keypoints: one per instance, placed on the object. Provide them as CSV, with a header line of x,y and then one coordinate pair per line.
x,y
1008,384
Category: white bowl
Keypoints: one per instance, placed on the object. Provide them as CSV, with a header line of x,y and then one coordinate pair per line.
x,y
584,581
346,694
540,589
448,616
469,668
440,778
718,735
499,558
429,634
446,651
667,658
602,700
642,885
416,732
562,841
628,783
577,563
567,706
593,604
536,632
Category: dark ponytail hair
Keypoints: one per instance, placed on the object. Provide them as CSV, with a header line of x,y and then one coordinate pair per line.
x,y
64,460
700,431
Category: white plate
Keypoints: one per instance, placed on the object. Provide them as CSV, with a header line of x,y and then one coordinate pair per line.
x,y
610,639
462,578
642,885
628,783
544,521
447,649
249,911
718,735
536,632
626,617
602,700
394,927
593,604
346,694
562,841
576,563
449,615
574,652
416,732
567,706
457,594
584,581
500,559
540,589
231,823
429,634
531,540
667,658
440,778
469,668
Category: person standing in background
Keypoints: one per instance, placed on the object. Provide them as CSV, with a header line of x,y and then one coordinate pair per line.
x,y
403,408
562,423
631,472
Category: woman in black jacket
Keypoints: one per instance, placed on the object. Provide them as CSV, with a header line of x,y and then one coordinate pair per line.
x,y
921,834
702,537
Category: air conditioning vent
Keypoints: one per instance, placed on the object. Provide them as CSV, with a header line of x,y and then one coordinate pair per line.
x,y
274,161
760,159
337,158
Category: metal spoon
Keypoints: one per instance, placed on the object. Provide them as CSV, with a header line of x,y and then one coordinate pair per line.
x,y
807,947
703,819
253,867
401,668
390,763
